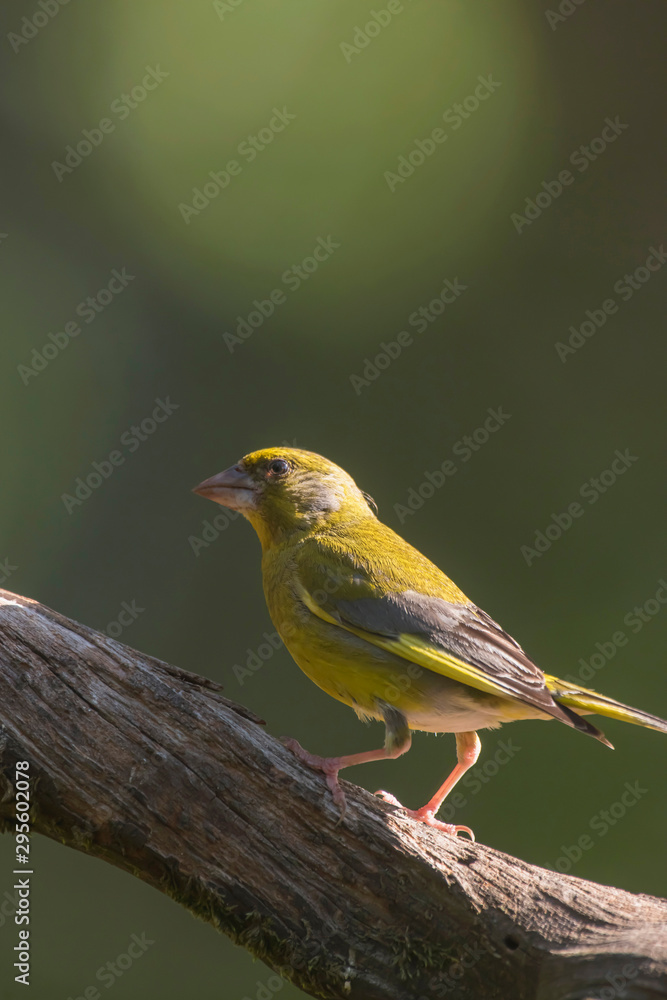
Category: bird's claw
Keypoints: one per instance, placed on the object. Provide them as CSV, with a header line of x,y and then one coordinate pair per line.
x,y
329,768
388,797
296,749
426,816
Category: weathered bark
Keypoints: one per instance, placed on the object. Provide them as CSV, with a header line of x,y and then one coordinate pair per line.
x,y
149,767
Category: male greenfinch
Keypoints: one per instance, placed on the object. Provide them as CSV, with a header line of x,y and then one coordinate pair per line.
x,y
376,625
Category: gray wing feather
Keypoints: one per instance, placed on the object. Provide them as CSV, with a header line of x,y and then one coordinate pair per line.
x,y
468,633
460,629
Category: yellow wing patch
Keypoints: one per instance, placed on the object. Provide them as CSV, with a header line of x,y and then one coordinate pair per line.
x,y
417,650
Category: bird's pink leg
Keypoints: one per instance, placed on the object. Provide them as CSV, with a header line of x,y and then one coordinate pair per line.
x,y
468,747
330,766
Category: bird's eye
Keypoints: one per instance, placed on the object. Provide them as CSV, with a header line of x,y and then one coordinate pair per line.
x,y
278,467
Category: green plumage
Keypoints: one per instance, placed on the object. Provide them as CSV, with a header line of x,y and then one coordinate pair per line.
x,y
378,626
373,622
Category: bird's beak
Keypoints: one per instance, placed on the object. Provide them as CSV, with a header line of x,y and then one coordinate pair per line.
x,y
232,488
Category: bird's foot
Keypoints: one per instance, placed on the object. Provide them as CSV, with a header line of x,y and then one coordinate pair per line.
x,y
388,797
329,766
425,815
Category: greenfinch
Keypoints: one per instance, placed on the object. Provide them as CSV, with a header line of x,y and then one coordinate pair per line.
x,y
378,626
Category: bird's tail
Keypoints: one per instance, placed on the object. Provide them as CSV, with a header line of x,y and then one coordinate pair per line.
x,y
584,702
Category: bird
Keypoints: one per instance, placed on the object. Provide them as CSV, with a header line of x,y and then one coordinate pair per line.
x,y
376,625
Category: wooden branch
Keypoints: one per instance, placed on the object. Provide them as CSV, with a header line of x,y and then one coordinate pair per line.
x,y
149,767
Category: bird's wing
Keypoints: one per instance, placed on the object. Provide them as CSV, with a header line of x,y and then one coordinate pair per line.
x,y
457,640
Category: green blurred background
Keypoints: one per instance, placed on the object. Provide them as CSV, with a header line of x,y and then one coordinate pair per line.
x,y
224,69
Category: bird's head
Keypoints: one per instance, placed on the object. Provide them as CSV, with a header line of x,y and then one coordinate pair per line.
x,y
285,490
